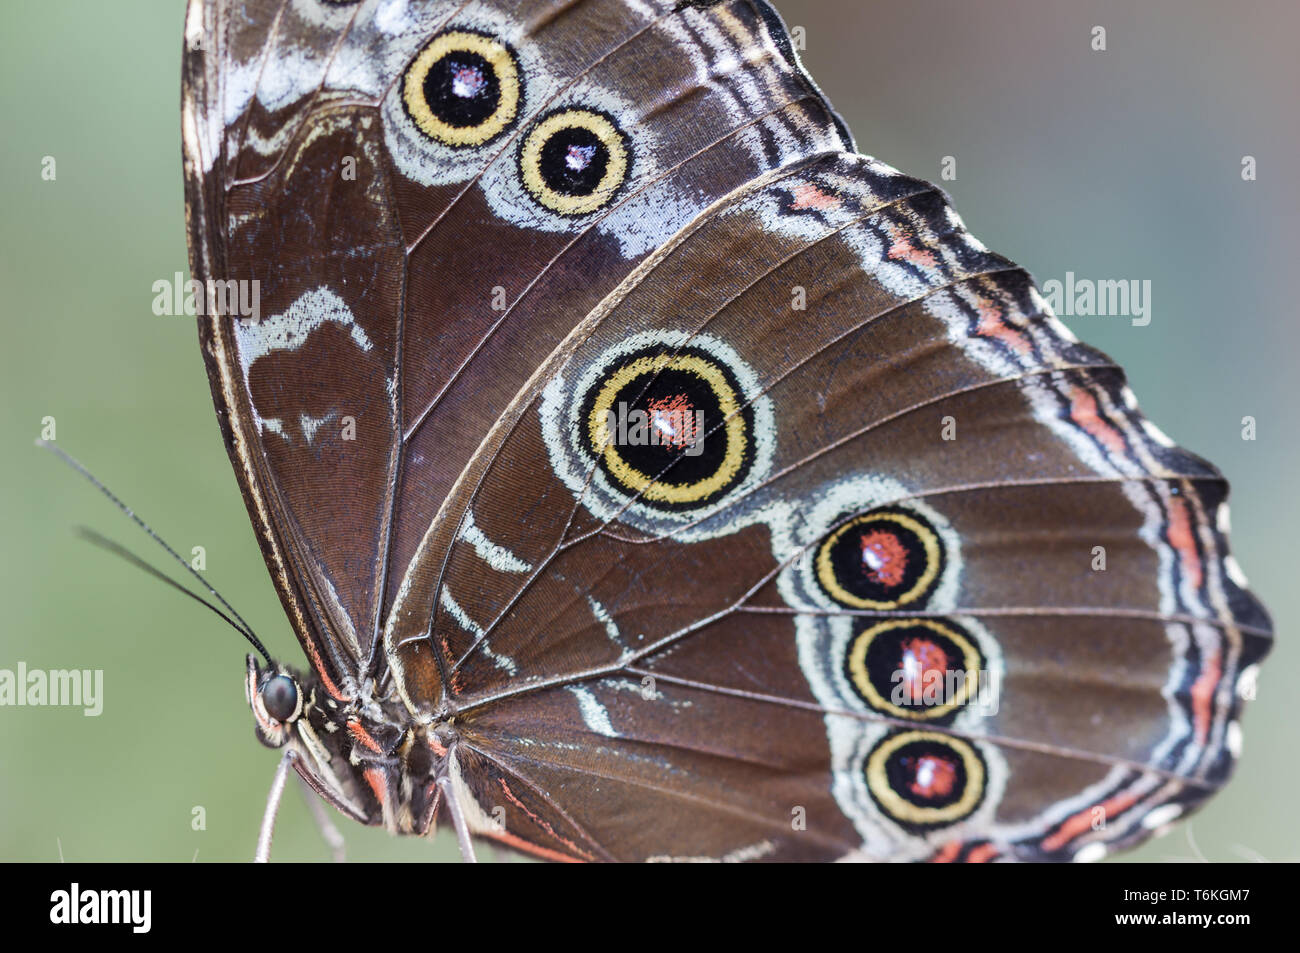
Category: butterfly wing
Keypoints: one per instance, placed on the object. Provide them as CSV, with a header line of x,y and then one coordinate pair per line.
x,y
906,462
409,282
909,468
305,380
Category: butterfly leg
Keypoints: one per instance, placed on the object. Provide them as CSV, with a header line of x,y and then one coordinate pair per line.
x,y
458,820
328,832
264,836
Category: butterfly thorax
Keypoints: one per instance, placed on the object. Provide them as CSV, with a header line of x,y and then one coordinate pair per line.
x,y
364,755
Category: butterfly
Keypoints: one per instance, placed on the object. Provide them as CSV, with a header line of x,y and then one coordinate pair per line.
x,y
648,475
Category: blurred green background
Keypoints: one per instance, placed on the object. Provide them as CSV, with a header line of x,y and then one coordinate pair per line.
x,y
1116,164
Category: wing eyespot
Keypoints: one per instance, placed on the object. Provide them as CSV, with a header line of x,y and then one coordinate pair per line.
x,y
925,780
918,669
672,429
575,161
463,89
885,559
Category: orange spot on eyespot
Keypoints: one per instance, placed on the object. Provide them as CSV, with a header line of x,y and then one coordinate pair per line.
x,y
1183,540
808,196
1084,412
993,324
933,777
884,558
1082,822
921,660
674,420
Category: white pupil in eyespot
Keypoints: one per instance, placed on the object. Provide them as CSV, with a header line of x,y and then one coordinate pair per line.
x,y
926,773
871,557
579,157
467,81
911,666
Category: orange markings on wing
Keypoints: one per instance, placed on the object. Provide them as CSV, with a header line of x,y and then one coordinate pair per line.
x,y
940,774
536,850
1203,695
982,854
922,662
808,196
1081,823
456,682
1182,538
1083,411
540,822
319,667
676,420
993,324
947,853
902,249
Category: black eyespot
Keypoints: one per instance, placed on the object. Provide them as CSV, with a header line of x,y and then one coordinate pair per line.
x,y
280,697
462,89
924,780
574,161
922,669
885,559
672,428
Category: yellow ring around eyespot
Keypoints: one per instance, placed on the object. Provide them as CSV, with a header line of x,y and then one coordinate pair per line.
x,y
858,668
503,64
826,572
530,161
904,810
645,484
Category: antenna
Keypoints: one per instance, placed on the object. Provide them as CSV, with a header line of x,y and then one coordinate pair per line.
x,y
243,628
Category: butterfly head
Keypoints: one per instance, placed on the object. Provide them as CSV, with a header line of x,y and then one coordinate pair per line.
x,y
277,698
354,752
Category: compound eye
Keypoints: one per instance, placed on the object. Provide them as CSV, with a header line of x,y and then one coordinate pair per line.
x,y
280,697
